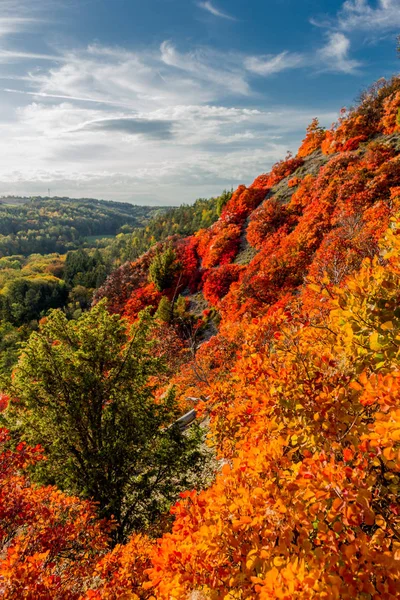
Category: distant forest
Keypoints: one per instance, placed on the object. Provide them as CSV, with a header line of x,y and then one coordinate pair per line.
x,y
48,259
46,225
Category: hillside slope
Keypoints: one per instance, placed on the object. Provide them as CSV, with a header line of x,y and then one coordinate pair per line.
x,y
281,322
301,381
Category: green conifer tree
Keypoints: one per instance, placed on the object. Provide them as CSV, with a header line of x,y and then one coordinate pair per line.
x,y
83,393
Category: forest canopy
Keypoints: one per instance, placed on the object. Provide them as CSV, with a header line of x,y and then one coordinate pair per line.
x,y
46,225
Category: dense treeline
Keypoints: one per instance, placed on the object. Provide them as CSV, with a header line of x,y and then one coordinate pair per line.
x,y
181,221
60,224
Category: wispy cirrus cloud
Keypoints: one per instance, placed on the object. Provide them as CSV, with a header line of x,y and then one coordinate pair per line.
x,y
19,16
217,68
7,56
209,7
333,56
11,25
110,119
272,64
59,96
361,16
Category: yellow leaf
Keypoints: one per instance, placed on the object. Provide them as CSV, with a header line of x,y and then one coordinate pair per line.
x,y
279,561
389,453
380,521
374,341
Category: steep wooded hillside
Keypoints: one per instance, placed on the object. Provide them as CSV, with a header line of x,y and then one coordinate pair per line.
x,y
281,324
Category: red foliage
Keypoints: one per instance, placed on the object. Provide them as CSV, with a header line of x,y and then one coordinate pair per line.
x,y
284,168
300,386
242,203
189,260
216,282
140,299
378,153
50,542
377,112
354,142
4,400
123,281
334,209
222,246
267,219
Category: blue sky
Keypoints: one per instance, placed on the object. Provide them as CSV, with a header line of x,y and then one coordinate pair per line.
x,y
164,101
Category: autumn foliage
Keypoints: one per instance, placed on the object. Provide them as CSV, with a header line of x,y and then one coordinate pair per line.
x,y
299,386
50,542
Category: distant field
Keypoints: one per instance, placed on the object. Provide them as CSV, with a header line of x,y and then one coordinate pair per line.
x,y
13,201
93,238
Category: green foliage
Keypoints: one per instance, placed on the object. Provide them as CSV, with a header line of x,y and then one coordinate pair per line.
x,y
9,262
164,312
25,300
48,225
163,268
10,337
221,201
79,300
83,394
81,269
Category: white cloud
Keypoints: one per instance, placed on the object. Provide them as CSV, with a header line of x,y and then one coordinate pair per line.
x,y
23,15
7,56
159,125
66,147
209,7
269,65
222,70
360,15
10,25
334,56
140,79
57,96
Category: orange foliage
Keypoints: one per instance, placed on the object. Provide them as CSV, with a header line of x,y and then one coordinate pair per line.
x,y
377,112
50,541
283,169
222,247
267,219
308,424
121,573
313,140
391,117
